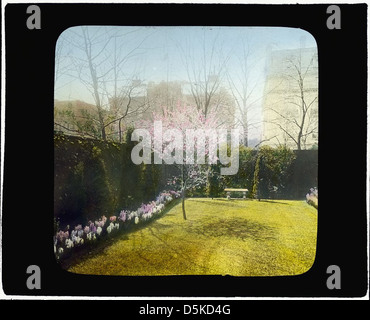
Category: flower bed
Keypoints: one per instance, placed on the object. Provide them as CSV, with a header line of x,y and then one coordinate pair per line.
x,y
312,197
65,241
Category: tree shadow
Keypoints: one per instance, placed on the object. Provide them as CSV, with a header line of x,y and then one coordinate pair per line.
x,y
273,201
236,202
224,202
235,228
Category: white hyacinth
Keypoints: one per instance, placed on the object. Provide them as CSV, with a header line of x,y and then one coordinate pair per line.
x,y
69,243
99,230
132,215
136,220
78,240
91,236
110,227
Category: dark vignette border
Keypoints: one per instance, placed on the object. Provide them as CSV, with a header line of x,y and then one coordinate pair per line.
x,y
27,224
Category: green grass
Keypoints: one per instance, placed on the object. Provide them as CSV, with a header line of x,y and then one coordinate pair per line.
x,y
233,237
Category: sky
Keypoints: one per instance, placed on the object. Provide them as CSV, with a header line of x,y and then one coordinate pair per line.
x,y
169,53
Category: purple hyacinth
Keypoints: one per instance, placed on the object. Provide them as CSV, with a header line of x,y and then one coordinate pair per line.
x,y
122,216
92,228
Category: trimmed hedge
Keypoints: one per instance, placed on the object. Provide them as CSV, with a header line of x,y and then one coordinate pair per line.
x,y
278,173
94,178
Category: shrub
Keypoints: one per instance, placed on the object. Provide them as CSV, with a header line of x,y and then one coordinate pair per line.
x,y
272,170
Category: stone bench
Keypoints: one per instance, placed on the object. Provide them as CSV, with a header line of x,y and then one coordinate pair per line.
x,y
229,190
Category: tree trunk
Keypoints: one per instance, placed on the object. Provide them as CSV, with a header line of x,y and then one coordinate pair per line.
x,y
183,191
245,134
183,205
103,134
256,178
120,131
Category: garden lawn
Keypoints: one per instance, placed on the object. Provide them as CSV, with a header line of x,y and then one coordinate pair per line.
x,y
219,237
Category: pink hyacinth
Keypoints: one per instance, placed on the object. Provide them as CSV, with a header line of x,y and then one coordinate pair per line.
x,y
99,224
61,235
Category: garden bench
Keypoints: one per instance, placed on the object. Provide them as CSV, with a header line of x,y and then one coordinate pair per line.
x,y
229,190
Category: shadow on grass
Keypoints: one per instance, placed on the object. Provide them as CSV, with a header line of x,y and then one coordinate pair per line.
x,y
273,201
235,228
222,202
236,202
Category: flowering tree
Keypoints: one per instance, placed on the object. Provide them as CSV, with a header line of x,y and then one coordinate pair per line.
x,y
192,155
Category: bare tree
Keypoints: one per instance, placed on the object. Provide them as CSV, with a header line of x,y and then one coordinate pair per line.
x,y
60,67
205,72
99,62
242,88
298,120
130,102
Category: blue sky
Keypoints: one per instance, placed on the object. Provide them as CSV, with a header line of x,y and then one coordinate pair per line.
x,y
162,54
